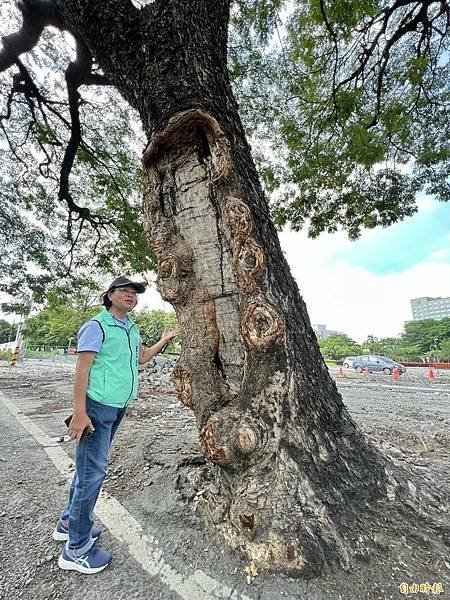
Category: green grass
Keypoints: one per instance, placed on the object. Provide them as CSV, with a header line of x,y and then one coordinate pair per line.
x,y
40,353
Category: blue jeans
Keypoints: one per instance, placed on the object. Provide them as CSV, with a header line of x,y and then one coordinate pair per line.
x,y
91,463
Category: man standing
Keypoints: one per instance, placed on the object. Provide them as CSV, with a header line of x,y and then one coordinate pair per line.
x,y
106,381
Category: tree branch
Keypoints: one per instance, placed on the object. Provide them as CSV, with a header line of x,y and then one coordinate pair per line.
x,y
36,15
377,37
409,24
76,75
119,47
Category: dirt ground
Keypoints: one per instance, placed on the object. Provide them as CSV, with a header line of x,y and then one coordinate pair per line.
x,y
408,420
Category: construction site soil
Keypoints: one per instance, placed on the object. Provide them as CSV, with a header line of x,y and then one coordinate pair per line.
x,y
408,420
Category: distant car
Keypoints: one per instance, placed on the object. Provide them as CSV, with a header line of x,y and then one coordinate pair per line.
x,y
377,363
348,361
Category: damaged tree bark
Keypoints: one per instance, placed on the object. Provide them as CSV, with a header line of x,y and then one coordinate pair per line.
x,y
295,486
292,474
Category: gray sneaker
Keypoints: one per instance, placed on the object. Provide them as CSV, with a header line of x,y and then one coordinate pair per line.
x,y
93,561
61,532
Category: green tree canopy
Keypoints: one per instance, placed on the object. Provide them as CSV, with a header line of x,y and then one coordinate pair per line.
x,y
385,347
59,321
427,335
152,325
445,349
339,346
7,331
346,104
352,99
71,181
419,340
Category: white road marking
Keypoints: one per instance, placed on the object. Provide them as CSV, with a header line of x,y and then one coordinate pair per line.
x,y
122,525
393,387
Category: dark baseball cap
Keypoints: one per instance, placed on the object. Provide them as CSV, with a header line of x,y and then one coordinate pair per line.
x,y
125,282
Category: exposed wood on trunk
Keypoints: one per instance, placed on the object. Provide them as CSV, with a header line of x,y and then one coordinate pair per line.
x,y
277,433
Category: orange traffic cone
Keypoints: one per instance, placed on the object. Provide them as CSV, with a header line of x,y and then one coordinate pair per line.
x,y
395,374
431,375
366,371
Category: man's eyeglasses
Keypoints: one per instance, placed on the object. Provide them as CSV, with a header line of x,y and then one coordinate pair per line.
x,y
130,291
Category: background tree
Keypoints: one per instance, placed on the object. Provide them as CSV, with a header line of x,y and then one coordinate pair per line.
x,y
420,340
290,481
152,325
339,346
59,321
444,349
426,335
385,347
7,331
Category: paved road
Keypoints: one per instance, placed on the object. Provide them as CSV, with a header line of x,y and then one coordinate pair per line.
x,y
32,492
185,563
35,473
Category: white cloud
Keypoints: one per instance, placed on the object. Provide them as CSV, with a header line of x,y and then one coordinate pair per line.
x,y
345,298
426,203
352,300
440,253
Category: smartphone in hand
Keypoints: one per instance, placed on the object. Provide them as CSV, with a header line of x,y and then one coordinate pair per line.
x,y
86,431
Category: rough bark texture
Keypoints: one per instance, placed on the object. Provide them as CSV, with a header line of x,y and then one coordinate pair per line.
x,y
292,473
293,484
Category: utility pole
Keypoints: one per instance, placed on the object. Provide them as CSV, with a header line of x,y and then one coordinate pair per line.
x,y
436,340
19,337
11,329
17,345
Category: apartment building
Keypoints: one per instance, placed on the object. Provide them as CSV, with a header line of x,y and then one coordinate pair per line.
x,y
430,308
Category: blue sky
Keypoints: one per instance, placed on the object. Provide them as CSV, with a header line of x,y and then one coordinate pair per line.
x,y
365,287
425,236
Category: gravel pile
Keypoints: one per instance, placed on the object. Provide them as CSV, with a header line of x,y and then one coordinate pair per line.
x,y
158,373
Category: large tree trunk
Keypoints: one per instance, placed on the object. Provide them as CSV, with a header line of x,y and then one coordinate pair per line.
x,y
292,474
294,484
